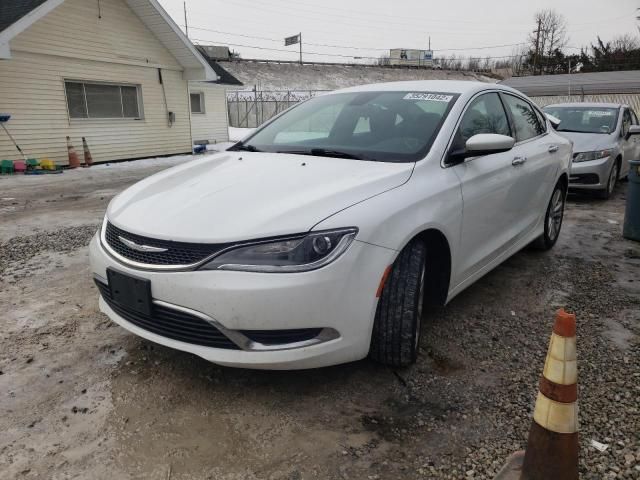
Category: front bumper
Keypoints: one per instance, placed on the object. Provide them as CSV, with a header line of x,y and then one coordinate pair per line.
x,y
592,175
339,298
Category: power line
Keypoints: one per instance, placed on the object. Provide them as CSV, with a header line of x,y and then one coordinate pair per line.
x,y
218,42
279,40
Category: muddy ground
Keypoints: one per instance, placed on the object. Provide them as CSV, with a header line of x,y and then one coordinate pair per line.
x,y
82,398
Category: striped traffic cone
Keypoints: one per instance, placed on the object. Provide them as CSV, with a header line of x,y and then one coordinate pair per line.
x,y
74,160
552,449
88,159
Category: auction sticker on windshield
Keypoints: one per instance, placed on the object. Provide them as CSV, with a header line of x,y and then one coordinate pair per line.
x,y
434,97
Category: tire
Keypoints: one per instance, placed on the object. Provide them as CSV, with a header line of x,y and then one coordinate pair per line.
x,y
395,340
553,219
606,193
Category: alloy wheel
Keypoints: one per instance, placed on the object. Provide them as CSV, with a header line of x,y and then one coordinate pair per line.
x,y
613,178
556,212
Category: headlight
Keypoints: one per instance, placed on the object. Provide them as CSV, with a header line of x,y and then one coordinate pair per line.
x,y
295,254
588,156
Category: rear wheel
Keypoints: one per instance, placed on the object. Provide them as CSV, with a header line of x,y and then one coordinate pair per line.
x,y
611,182
553,219
396,330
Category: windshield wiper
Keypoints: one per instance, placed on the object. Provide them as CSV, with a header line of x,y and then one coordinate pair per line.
x,y
245,148
573,131
323,152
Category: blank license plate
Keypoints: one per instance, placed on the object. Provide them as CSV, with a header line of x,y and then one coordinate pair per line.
x,y
130,292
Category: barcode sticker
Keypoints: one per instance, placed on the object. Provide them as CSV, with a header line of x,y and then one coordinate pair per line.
x,y
433,97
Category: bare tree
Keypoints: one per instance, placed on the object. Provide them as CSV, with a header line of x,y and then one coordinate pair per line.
x,y
625,43
550,35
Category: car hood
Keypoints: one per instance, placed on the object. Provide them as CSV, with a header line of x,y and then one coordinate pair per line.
x,y
589,142
235,196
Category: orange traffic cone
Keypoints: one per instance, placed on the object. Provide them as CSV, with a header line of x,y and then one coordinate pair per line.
x,y
74,160
88,159
552,449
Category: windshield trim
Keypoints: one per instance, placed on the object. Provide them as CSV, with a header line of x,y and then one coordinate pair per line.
x,y
367,156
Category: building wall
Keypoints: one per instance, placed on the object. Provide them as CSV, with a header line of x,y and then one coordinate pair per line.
x,y
213,124
73,43
631,99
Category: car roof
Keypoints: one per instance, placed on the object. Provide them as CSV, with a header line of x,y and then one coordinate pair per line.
x,y
444,86
588,105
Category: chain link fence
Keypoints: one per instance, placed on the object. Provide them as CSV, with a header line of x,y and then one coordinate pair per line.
x,y
251,108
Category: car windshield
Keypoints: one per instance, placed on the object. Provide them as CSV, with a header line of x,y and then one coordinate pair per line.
x,y
379,126
585,119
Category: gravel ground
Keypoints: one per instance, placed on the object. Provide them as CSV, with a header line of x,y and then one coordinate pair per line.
x,y
82,398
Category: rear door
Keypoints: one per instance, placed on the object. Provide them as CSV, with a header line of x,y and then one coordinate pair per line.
x,y
488,186
537,162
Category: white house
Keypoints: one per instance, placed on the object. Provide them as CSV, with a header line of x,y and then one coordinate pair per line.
x,y
114,71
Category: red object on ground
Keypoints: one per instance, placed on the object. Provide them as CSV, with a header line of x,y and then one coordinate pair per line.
x,y
19,166
74,160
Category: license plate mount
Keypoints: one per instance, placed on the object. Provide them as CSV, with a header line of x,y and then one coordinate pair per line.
x,y
130,292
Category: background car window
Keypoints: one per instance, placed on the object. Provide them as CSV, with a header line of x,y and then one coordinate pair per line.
x,y
524,118
585,119
626,122
634,117
485,115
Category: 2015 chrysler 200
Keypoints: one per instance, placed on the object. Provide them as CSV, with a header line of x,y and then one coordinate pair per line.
x,y
321,237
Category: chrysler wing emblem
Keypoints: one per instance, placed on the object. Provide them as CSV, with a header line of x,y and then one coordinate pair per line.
x,y
141,248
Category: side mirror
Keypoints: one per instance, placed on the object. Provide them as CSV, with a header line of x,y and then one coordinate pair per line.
x,y
633,130
555,121
482,144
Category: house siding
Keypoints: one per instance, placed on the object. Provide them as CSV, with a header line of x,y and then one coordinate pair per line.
x,y
72,43
213,124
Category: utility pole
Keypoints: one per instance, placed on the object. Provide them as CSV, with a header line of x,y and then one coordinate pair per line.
x,y
535,58
569,80
186,23
300,35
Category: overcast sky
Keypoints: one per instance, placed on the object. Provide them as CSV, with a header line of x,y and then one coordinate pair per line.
x,y
371,27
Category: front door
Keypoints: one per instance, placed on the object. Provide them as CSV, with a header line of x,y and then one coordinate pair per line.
x,y
630,146
490,203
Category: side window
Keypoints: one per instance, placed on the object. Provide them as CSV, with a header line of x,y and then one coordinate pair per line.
x,y
484,115
626,122
634,117
525,119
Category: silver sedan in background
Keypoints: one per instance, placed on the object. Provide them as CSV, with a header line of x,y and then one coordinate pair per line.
x,y
605,138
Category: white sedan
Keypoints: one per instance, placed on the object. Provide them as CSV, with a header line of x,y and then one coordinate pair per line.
x,y
327,234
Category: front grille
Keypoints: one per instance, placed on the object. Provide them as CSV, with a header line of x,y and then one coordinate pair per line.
x,y
281,337
584,179
170,323
178,253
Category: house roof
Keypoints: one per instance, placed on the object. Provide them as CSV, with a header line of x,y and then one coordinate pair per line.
x,y
224,76
578,83
21,14
11,12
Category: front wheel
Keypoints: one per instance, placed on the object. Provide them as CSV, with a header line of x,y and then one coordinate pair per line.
x,y
396,330
606,193
553,219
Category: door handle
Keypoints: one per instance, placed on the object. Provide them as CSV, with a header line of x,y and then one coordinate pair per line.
x,y
553,148
518,161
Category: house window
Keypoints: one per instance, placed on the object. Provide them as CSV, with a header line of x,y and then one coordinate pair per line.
x,y
103,100
197,102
